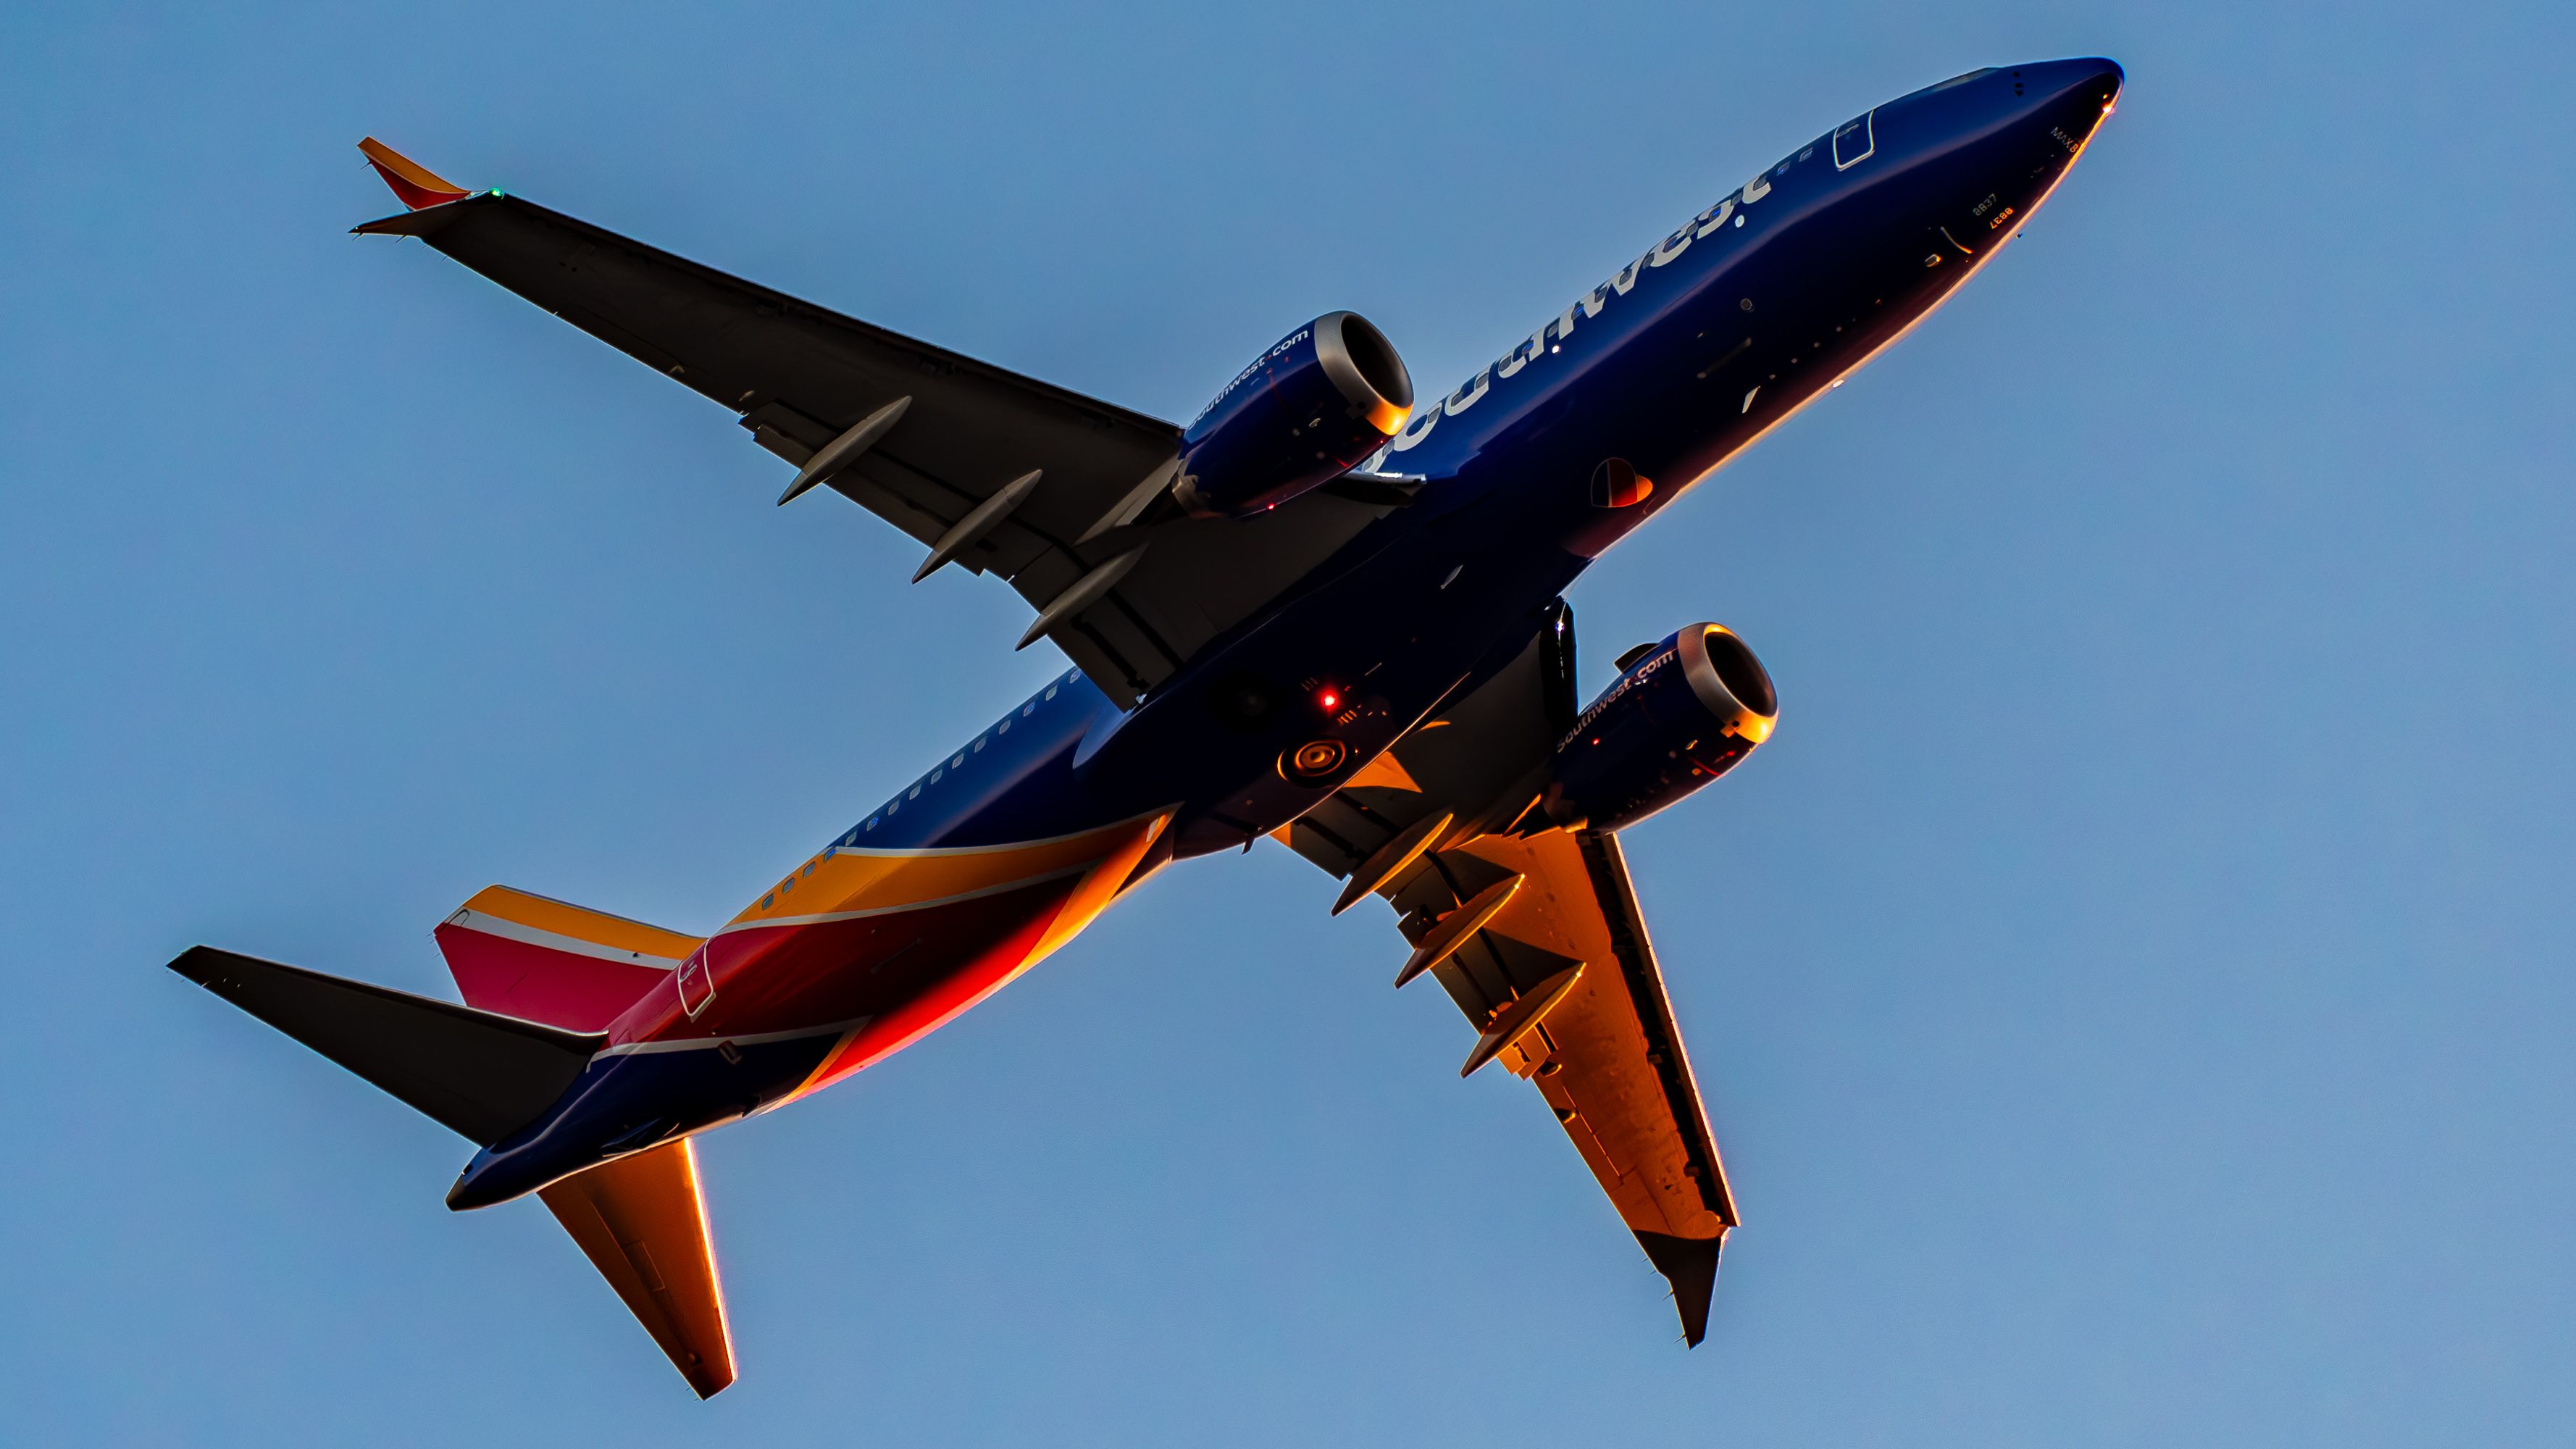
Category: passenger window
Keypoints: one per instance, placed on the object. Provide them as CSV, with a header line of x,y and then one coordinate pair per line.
x,y
1854,142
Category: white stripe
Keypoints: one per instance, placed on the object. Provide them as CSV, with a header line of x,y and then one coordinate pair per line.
x,y
587,911
530,935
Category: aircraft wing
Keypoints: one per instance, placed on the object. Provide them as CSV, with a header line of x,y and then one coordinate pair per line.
x,y
801,378
1600,1043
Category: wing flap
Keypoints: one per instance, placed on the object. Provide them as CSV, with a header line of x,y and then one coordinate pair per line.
x,y
1610,1052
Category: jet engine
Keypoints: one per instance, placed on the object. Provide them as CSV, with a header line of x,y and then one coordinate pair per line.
x,y
1686,711
1317,402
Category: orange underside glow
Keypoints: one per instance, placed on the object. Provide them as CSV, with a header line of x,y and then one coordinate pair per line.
x,y
995,967
643,1222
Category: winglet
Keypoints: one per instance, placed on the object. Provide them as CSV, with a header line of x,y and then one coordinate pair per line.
x,y
419,187
1690,1265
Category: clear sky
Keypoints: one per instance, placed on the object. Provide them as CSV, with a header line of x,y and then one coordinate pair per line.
x,y
2132,990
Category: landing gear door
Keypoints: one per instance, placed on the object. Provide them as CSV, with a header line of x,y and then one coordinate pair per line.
x,y
696,984
1854,142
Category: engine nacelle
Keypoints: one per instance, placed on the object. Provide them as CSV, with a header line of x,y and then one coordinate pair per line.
x,y
1322,399
1687,711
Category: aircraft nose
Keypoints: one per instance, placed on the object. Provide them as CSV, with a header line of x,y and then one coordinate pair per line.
x,y
2066,99
2094,78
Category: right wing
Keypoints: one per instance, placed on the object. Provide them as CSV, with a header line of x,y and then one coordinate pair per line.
x,y
801,377
1560,980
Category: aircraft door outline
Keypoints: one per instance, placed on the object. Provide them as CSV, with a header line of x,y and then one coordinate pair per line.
x,y
695,972
1858,137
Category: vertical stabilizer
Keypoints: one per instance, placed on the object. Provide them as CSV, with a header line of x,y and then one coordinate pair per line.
x,y
544,960
643,1222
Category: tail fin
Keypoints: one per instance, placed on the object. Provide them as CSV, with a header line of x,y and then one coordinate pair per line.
x,y
640,1218
526,956
419,187
482,1074
643,1222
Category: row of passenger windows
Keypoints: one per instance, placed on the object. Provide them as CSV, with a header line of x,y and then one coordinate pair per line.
x,y
895,806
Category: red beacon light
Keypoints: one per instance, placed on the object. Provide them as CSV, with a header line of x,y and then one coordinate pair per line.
x,y
1329,698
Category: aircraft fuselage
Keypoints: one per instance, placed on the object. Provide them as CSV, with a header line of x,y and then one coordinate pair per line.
x,y
1521,477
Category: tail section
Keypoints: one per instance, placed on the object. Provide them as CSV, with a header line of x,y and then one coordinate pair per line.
x,y
526,956
640,1218
482,1074
417,185
643,1222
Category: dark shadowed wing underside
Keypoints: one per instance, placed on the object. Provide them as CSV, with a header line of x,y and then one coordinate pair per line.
x,y
799,376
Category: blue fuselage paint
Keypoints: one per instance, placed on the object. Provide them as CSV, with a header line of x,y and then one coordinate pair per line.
x,y
1682,358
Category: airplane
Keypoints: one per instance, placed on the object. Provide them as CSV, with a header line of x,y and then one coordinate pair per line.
x,y
1324,612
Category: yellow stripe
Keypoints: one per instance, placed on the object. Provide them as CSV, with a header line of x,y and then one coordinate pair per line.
x,y
405,167
1096,891
850,880
1090,897
597,927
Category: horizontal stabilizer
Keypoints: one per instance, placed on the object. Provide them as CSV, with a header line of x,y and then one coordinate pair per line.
x,y
481,1074
419,187
643,1222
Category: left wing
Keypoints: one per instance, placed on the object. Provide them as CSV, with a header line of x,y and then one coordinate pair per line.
x,y
921,436
1540,942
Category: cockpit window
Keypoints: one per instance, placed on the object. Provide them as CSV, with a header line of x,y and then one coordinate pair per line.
x,y
1956,80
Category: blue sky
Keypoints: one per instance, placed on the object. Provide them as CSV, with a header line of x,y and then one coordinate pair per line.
x,y
2131,990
